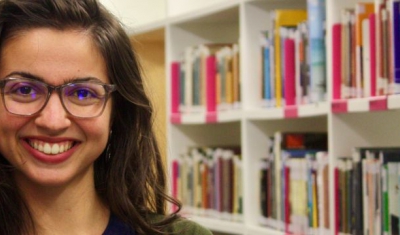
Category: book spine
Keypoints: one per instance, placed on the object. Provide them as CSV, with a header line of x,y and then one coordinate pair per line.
x,y
188,79
211,83
316,21
373,54
365,85
267,72
336,60
236,74
396,44
290,73
175,80
337,201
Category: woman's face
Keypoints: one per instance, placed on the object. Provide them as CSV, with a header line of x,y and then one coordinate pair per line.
x,y
56,57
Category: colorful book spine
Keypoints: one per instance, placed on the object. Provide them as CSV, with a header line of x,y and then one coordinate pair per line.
x,y
362,12
290,73
316,21
211,84
336,60
267,70
175,87
396,44
283,18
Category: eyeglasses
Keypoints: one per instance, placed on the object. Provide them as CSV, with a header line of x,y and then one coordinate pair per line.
x,y
27,97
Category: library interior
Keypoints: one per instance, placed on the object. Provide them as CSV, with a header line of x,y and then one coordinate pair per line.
x,y
275,117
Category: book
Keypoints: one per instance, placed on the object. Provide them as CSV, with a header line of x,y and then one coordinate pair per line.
x,y
336,61
210,84
372,50
304,140
175,81
283,18
236,76
188,70
304,55
347,21
362,13
322,161
316,21
366,59
383,49
395,22
290,71
393,192
266,91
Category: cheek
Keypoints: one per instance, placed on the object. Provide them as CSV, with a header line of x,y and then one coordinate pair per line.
x,y
97,130
10,127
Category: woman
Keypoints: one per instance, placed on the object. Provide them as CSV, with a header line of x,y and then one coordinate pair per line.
x,y
77,150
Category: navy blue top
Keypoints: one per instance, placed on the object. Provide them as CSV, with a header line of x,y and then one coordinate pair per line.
x,y
117,227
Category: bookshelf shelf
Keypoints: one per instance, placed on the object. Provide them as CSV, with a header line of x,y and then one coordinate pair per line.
x,y
308,110
393,102
255,230
350,123
202,118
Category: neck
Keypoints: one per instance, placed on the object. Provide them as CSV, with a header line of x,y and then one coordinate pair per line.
x,y
74,208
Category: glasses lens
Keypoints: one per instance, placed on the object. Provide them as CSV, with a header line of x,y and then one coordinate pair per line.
x,y
24,97
84,99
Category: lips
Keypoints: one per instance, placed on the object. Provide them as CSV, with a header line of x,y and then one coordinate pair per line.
x,y
50,151
51,148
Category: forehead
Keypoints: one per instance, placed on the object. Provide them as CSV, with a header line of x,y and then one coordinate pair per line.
x,y
54,55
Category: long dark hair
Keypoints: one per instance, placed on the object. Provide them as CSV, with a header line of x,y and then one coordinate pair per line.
x,y
129,174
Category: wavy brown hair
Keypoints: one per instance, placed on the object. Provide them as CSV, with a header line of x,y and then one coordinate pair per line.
x,y
129,174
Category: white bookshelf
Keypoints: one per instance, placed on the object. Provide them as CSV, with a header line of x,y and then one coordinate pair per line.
x,y
190,22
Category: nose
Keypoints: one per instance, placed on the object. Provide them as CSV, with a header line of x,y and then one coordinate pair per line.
x,y
53,117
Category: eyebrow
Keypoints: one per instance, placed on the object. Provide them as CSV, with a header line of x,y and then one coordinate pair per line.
x,y
28,75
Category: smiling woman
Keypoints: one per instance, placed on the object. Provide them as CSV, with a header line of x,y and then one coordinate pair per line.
x,y
77,149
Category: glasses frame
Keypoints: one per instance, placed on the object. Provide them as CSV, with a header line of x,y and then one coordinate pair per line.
x,y
109,88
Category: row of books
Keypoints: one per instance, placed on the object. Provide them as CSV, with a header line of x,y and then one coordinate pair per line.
x,y
293,57
366,50
208,182
206,79
294,183
367,191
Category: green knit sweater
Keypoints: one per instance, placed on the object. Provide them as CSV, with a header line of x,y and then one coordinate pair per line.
x,y
184,226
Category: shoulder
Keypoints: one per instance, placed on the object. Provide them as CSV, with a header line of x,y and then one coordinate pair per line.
x,y
184,226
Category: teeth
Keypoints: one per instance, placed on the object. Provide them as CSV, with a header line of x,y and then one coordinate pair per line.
x,y
51,148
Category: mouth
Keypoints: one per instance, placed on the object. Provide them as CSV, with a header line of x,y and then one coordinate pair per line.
x,y
51,148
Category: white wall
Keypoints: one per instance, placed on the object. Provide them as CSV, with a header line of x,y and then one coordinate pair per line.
x,y
178,7
135,13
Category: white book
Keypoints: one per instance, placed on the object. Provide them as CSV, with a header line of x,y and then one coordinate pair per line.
x,y
366,59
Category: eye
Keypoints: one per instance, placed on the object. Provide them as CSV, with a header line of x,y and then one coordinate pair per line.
x,y
83,94
23,89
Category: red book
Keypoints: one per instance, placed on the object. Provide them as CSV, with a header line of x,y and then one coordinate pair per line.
x,y
175,85
210,83
290,72
336,60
